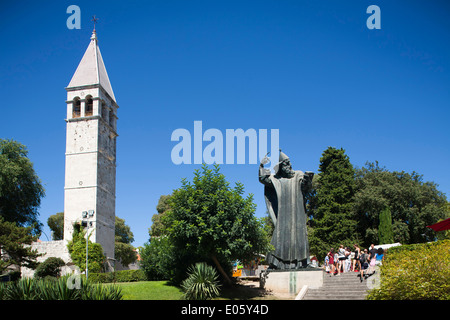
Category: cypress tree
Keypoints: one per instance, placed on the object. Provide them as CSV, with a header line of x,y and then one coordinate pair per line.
x,y
385,232
334,222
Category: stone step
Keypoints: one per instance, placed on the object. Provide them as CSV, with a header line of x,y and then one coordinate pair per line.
x,y
340,297
328,291
344,281
351,278
346,286
341,288
335,294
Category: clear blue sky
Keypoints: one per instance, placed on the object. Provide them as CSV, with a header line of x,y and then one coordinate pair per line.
x,y
311,69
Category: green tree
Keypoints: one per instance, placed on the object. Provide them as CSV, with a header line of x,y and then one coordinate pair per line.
x,y
125,253
414,204
56,224
158,258
385,232
123,232
157,228
212,221
20,187
123,250
77,251
333,221
15,246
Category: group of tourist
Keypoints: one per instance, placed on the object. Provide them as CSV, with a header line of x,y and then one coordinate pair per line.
x,y
346,260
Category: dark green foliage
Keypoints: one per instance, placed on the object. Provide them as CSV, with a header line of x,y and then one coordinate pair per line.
x,y
413,203
202,283
347,206
20,188
51,267
125,253
15,249
385,232
118,276
77,251
333,221
158,258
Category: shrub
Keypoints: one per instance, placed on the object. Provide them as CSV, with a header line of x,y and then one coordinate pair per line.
x,y
101,277
202,283
118,276
130,276
158,258
50,267
415,272
77,251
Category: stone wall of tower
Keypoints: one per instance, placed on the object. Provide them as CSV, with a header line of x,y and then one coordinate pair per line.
x,y
91,169
81,171
106,191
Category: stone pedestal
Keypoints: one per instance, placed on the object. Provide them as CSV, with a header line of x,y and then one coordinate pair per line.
x,y
291,282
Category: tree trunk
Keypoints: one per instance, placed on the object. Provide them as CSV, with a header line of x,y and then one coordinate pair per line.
x,y
227,279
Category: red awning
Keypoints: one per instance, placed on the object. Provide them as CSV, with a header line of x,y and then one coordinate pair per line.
x,y
441,226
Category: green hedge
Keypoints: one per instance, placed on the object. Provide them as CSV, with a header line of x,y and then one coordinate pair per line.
x,y
416,246
118,276
415,272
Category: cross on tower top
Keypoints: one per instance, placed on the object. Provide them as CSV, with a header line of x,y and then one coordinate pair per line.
x,y
94,19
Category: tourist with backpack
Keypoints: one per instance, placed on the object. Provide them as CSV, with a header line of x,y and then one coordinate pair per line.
x,y
364,261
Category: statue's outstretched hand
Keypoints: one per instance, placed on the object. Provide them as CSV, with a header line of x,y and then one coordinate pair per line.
x,y
264,161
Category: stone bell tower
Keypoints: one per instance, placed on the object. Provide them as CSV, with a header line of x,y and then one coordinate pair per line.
x,y
90,178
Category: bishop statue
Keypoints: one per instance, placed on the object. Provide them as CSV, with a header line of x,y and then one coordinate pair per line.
x,y
284,193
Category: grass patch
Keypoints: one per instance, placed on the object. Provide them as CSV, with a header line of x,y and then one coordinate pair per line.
x,y
149,290
161,290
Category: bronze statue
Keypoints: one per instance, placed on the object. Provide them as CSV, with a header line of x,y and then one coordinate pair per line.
x,y
284,194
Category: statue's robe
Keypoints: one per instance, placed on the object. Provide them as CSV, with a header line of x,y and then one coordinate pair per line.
x,y
285,203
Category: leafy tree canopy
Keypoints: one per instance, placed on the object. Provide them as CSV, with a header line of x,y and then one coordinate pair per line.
x,y
20,188
210,219
56,224
414,204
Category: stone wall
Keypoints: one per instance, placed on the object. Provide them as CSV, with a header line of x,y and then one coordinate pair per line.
x,y
57,249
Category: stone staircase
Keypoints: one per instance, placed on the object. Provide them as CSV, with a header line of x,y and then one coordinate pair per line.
x,y
346,286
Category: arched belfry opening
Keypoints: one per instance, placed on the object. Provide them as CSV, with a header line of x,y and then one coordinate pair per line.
x,y
76,108
89,106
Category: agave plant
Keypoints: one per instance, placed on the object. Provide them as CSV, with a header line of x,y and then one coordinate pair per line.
x,y
202,283
58,289
24,289
99,291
